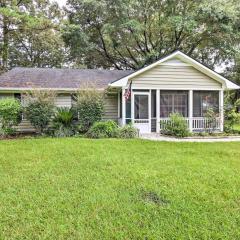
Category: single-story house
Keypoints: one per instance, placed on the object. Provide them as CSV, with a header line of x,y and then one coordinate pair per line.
x,y
145,98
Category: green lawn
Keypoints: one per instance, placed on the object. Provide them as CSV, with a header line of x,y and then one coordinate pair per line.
x,y
237,127
119,189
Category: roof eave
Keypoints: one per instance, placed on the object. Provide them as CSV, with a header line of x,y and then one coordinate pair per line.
x,y
231,86
12,89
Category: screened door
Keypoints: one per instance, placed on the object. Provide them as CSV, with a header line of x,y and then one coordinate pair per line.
x,y
141,112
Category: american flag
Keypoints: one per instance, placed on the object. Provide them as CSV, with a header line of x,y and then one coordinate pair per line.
x,y
127,94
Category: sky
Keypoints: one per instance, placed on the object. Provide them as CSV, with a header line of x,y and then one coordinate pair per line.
x,y
60,2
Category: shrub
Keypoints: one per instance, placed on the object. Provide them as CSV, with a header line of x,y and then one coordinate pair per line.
x,y
90,107
176,126
40,109
211,116
103,130
231,116
63,125
10,115
127,131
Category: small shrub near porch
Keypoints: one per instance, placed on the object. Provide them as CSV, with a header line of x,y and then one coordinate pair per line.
x,y
106,129
109,129
176,126
127,131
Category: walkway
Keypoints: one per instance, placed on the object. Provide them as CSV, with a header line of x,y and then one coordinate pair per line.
x,y
158,137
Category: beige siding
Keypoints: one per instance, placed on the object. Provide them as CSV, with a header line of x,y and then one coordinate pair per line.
x,y
25,126
178,76
111,107
6,95
63,100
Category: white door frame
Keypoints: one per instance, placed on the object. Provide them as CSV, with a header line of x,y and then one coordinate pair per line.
x,y
149,107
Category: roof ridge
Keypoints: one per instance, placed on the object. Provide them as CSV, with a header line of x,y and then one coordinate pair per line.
x,y
77,69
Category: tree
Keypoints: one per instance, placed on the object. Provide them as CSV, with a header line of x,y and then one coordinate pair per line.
x,y
30,34
129,34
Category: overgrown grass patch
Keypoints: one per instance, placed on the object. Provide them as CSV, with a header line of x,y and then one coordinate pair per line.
x,y
119,189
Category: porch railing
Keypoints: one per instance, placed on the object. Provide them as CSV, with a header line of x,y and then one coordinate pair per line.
x,y
201,123
198,123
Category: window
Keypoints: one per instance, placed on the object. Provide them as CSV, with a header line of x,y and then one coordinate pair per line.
x,y
173,102
17,96
204,100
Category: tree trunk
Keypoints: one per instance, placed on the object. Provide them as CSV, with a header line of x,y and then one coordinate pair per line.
x,y
5,44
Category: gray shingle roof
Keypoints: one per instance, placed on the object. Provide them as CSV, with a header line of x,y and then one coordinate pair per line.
x,y
59,78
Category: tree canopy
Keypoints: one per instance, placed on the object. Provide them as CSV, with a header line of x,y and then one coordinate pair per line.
x,y
132,33
30,34
119,34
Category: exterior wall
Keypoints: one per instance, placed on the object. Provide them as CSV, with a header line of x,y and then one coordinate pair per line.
x,y
174,74
25,126
111,107
63,100
6,95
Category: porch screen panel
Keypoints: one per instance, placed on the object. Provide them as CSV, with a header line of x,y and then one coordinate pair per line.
x,y
173,102
141,107
128,110
153,110
153,104
204,100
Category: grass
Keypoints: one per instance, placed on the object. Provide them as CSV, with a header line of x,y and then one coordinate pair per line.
x,y
237,127
117,189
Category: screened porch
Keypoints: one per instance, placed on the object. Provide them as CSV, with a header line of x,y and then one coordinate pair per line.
x,y
148,110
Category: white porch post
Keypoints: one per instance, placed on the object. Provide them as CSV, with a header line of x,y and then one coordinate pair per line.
x,y
190,110
150,110
123,107
132,107
119,105
221,109
158,111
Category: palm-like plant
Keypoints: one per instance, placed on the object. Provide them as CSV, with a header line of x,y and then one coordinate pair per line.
x,y
64,116
63,125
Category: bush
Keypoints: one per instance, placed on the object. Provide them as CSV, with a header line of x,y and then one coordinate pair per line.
x,y
176,126
103,130
40,109
63,125
127,131
231,116
90,107
10,115
211,116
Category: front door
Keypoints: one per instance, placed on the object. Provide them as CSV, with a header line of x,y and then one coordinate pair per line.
x,y
141,112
